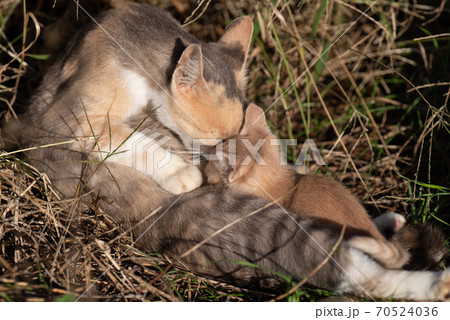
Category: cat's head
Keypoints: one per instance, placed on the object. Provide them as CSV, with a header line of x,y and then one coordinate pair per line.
x,y
208,85
252,155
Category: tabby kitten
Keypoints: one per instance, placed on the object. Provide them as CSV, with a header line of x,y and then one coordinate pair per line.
x,y
313,196
138,61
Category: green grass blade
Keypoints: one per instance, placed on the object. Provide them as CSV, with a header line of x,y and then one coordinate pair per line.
x,y
319,14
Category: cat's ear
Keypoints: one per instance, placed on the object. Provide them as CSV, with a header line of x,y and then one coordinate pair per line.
x,y
238,35
239,170
255,119
189,71
239,31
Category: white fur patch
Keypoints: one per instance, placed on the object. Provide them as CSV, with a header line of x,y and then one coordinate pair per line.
x,y
368,277
141,93
144,153
389,221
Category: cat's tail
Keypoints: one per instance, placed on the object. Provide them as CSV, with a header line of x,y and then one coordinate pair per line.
x,y
389,254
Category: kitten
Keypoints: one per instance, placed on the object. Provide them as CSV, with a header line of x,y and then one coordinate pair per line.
x,y
135,63
313,196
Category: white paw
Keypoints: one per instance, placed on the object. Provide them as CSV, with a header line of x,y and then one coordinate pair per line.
x,y
184,179
389,221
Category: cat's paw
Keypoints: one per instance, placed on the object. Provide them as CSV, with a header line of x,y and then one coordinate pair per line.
x,y
184,179
389,222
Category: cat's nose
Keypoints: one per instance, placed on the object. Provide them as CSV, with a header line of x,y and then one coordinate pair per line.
x,y
209,142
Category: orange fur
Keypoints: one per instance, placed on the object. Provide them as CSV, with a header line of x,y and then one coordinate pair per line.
x,y
224,122
105,109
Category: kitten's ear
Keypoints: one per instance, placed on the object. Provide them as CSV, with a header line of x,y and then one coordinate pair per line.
x,y
239,170
189,70
238,34
255,119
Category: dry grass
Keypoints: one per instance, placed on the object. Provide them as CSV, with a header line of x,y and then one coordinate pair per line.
x,y
376,104
49,250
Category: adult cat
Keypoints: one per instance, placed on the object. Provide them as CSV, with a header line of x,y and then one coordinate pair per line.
x,y
138,62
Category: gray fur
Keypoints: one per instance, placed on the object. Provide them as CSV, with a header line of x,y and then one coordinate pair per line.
x,y
155,40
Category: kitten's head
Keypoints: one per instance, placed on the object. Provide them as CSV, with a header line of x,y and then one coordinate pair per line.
x,y
253,155
208,85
